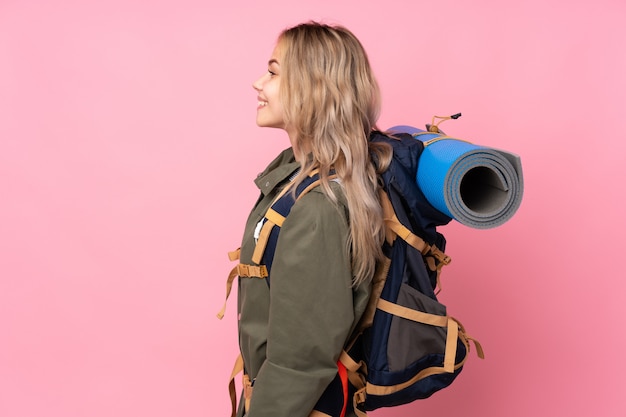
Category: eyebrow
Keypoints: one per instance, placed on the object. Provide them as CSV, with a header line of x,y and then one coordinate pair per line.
x,y
272,61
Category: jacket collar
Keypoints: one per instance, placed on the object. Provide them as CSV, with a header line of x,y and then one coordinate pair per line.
x,y
283,166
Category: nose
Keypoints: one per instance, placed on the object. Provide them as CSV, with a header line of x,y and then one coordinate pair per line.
x,y
258,84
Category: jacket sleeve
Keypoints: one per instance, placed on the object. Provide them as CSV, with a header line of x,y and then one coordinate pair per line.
x,y
311,310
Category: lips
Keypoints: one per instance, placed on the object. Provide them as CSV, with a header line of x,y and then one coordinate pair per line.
x,y
261,103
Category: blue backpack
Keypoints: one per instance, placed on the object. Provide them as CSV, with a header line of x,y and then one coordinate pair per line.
x,y
405,346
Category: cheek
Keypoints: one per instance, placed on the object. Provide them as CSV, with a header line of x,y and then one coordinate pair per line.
x,y
275,96
273,89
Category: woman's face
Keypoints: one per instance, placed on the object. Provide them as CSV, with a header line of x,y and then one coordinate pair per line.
x,y
269,108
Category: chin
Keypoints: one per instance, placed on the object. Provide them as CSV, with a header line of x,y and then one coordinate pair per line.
x,y
261,123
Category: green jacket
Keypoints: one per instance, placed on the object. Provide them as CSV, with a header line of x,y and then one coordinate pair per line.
x,y
292,332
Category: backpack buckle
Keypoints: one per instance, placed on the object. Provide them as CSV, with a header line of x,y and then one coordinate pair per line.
x,y
439,255
252,271
359,396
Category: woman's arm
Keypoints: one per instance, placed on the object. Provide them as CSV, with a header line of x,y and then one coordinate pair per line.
x,y
311,309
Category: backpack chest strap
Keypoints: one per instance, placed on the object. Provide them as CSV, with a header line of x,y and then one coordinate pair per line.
x,y
241,270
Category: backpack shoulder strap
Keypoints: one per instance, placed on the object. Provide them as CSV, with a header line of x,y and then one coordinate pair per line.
x,y
274,217
280,209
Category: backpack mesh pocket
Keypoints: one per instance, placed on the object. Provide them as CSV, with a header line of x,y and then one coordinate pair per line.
x,y
417,339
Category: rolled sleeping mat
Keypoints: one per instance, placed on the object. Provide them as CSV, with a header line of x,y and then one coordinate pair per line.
x,y
477,186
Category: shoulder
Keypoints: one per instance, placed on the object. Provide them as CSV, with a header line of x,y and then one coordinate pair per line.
x,y
320,198
316,207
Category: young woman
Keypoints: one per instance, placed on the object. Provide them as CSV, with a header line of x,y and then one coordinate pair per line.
x,y
319,88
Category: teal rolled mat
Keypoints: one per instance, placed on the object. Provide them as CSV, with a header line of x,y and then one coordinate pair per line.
x,y
477,186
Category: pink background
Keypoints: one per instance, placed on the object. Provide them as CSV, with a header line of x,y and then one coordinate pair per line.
x,y
127,150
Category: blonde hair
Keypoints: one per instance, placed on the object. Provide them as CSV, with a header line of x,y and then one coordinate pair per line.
x,y
331,100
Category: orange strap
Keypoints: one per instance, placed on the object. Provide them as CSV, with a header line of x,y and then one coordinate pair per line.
x,y
247,392
229,287
273,219
433,320
395,228
233,256
243,271
393,224
238,367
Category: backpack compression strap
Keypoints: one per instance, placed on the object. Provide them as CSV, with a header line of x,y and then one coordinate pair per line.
x,y
394,228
